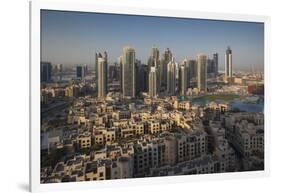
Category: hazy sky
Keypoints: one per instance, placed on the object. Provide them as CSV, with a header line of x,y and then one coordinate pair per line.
x,y
74,37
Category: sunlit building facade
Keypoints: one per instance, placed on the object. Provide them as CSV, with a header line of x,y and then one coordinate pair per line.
x,y
128,72
202,72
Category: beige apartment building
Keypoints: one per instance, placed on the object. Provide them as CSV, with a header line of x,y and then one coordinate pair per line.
x,y
84,140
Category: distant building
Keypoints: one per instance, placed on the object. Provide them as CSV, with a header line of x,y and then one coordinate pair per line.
x,y
216,63
192,68
58,71
154,61
128,72
114,74
166,58
153,82
102,75
202,72
228,64
119,61
142,78
97,55
210,66
154,58
80,71
171,77
46,71
184,77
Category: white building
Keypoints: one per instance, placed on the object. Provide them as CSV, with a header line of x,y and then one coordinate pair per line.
x,y
171,77
152,79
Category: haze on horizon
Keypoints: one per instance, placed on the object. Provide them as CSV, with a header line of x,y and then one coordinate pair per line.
x,y
71,38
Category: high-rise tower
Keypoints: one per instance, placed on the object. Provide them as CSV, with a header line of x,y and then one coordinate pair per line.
x,y
216,63
228,64
128,72
80,71
46,71
184,77
102,75
154,59
166,58
202,72
153,82
171,77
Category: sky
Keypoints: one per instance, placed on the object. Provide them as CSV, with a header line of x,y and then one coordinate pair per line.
x,y
71,38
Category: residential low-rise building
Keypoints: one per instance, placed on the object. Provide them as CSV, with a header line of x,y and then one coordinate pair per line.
x,y
84,140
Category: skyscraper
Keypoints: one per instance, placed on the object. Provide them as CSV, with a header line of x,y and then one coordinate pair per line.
x,y
96,66
192,68
102,75
46,71
142,77
128,72
184,77
119,61
166,58
228,64
202,72
153,82
153,59
112,72
210,68
216,63
171,77
80,71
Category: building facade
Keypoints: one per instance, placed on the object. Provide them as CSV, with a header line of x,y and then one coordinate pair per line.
x,y
102,75
171,77
142,78
128,72
216,63
228,64
184,77
80,71
46,71
202,72
166,58
153,82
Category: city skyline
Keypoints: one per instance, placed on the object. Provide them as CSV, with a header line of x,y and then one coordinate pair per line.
x,y
154,112
72,38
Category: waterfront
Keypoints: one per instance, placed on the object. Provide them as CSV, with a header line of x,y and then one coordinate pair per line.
x,y
255,107
235,102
